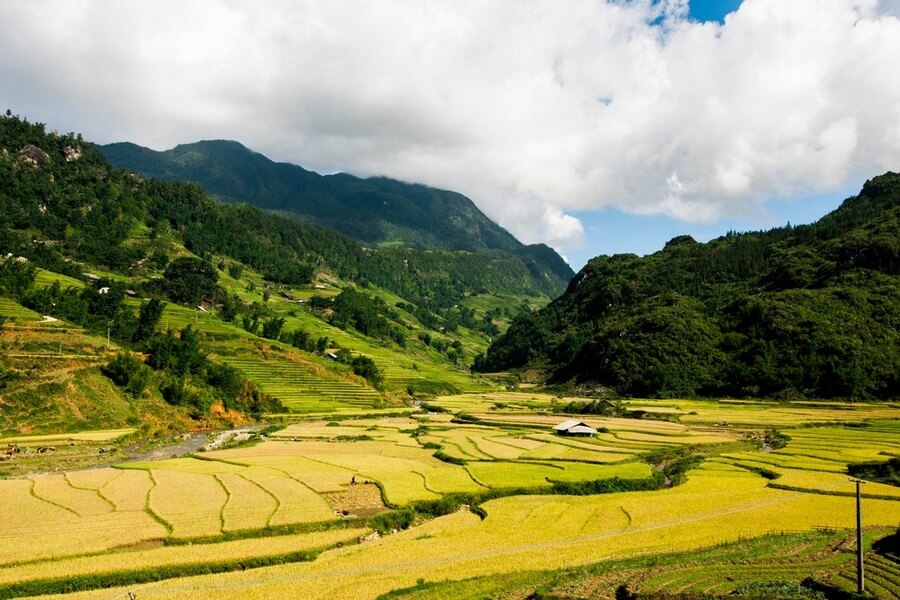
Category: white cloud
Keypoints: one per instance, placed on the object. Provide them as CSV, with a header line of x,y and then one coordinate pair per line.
x,y
534,109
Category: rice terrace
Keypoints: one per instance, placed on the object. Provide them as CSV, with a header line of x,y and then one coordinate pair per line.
x,y
471,495
422,299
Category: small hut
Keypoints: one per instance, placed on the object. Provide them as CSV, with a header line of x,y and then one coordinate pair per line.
x,y
575,428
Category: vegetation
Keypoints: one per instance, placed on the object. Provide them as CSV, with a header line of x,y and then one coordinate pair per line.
x,y
537,490
882,472
809,311
376,211
156,314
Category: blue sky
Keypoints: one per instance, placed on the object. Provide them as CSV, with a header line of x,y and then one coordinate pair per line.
x,y
712,10
611,231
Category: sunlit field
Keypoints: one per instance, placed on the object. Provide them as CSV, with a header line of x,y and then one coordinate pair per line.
x,y
280,504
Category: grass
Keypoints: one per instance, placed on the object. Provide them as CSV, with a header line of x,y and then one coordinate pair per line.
x,y
16,312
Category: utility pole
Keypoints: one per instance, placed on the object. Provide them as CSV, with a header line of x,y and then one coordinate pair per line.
x,y
860,572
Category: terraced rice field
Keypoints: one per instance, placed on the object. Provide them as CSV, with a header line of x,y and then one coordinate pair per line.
x,y
402,368
102,435
302,388
311,469
178,556
301,385
541,532
14,311
45,278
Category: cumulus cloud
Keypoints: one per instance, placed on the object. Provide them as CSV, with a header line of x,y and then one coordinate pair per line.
x,y
534,109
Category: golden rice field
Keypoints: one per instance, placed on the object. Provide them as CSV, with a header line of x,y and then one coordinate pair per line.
x,y
180,555
541,532
271,499
104,435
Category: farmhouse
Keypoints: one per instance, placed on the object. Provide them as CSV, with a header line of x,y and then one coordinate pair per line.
x,y
574,428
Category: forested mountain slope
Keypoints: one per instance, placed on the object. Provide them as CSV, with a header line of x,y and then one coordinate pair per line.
x,y
154,294
795,311
376,211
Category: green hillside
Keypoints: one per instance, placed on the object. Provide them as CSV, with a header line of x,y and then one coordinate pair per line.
x,y
791,312
219,313
377,211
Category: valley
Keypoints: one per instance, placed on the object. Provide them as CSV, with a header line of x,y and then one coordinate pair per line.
x,y
201,399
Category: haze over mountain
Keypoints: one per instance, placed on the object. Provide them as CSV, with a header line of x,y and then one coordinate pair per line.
x,y
377,211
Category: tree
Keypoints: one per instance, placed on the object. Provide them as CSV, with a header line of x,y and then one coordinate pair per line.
x,y
190,280
271,329
128,372
148,318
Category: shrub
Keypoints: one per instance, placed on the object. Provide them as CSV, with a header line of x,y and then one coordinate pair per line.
x,y
397,520
190,280
127,371
443,456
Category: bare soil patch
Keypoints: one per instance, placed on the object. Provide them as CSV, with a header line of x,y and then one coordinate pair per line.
x,y
359,499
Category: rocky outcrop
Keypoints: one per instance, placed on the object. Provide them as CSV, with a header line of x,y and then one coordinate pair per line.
x,y
73,153
33,156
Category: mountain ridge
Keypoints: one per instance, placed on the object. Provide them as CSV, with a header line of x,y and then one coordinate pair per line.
x,y
807,311
375,210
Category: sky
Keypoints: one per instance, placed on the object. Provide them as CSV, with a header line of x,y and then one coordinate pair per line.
x,y
595,126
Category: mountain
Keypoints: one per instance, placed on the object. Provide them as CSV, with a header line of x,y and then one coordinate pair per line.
x,y
169,307
377,211
795,311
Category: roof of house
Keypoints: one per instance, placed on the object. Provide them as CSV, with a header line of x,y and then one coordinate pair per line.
x,y
582,429
567,425
575,427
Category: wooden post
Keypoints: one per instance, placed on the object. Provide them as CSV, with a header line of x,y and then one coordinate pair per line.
x,y
860,571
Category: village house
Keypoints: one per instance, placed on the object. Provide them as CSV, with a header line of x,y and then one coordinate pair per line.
x,y
575,428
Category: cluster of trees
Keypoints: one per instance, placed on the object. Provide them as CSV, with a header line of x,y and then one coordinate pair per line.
x,y
606,408
453,349
100,308
811,311
370,315
15,277
363,366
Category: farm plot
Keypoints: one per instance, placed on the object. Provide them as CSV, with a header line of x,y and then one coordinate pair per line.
x,y
519,474
545,532
737,413
177,556
229,496
53,519
99,435
300,387
14,311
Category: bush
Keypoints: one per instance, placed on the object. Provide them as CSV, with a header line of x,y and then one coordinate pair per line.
x,y
190,280
453,460
272,328
397,520
127,371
